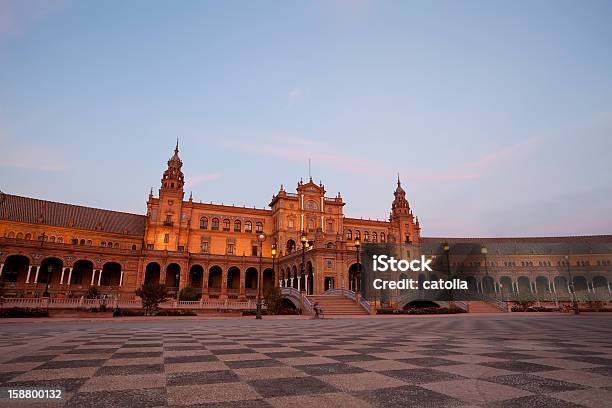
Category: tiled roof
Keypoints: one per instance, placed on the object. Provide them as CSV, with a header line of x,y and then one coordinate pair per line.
x,y
34,211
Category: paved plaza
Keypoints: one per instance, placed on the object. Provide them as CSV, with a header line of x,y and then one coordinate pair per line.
x,y
455,361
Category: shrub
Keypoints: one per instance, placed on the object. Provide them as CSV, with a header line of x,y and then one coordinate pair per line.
x,y
188,294
152,294
175,313
23,312
422,311
274,300
254,312
127,312
92,293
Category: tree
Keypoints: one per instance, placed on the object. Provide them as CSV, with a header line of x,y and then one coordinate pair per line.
x,y
274,300
188,293
92,293
152,294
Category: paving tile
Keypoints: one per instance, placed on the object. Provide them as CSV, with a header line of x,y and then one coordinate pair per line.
x,y
123,382
260,373
332,368
473,370
535,401
519,366
476,391
580,377
329,400
535,384
207,393
131,369
421,375
202,377
594,398
144,398
408,396
291,386
361,381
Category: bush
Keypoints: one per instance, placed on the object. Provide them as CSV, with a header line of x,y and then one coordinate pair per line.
x,y
103,308
127,312
92,293
23,312
254,313
152,294
175,313
422,311
188,294
274,300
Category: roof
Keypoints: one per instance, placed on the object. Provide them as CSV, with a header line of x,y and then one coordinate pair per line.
x,y
35,211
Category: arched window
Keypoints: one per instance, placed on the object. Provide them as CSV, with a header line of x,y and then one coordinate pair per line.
x,y
310,225
28,236
374,238
103,244
52,238
366,236
237,226
357,234
82,242
89,242
248,226
133,247
19,235
349,234
116,245
11,234
382,237
60,240
226,224
330,245
215,224
258,227
203,223
311,205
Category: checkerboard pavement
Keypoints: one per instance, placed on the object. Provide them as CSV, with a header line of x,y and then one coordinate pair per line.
x,y
401,362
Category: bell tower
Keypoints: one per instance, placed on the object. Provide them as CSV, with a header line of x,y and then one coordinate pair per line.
x,y
173,180
404,227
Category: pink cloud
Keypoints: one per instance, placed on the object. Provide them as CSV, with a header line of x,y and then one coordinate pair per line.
x,y
193,181
16,17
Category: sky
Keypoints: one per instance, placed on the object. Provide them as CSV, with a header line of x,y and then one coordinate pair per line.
x,y
496,114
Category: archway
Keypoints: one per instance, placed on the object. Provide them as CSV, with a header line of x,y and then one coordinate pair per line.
x,y
196,274
15,268
152,273
600,287
505,286
310,273
354,278
561,287
50,271
111,274
82,272
215,278
524,285
580,286
233,279
541,283
488,285
290,246
268,280
173,276
250,278
295,277
421,278
420,304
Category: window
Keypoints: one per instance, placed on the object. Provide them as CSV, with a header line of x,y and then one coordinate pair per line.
x,y
329,263
382,237
203,223
215,224
357,234
374,237
103,244
330,245
330,226
183,217
133,247
154,215
181,248
116,245
168,220
237,226
52,238
226,224
11,234
258,227
28,236
150,247
254,250
19,235
82,242
311,205
230,248
60,240
290,223
349,234
248,226
204,247
89,242
166,238
310,225
366,236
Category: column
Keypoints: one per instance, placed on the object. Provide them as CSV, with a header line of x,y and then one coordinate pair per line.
x,y
223,284
62,276
299,282
291,282
205,284
99,277
1,268
243,283
121,279
69,276
29,271
553,286
93,276
280,283
36,276
306,284
286,281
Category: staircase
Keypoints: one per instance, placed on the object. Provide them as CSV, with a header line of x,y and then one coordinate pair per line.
x,y
335,305
480,306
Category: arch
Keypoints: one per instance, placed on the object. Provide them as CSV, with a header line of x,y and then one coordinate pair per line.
x,y
28,236
366,236
330,245
250,278
294,275
382,237
524,285
50,270
215,224
11,234
349,235
289,304
20,235
173,275
215,278
203,223
600,287
226,224
82,272
267,280
505,283
111,274
488,285
541,283
420,304
152,273
580,286
290,246
560,284
357,234
354,277
310,273
374,236
248,226
196,275
15,268
237,226
233,278
258,227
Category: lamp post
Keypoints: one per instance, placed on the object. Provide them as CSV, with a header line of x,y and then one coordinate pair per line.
x,y
448,273
273,251
357,245
304,241
571,285
177,283
484,251
49,270
261,238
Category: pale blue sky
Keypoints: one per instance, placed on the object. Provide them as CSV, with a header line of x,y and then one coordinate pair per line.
x,y
497,114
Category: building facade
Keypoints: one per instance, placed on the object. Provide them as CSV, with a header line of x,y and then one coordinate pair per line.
x,y
303,240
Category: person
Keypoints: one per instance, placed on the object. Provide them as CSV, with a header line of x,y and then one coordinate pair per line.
x,y
317,310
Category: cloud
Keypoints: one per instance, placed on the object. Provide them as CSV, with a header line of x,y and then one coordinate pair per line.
x,y
30,157
193,181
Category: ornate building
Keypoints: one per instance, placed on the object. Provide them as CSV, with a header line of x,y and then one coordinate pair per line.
x,y
66,249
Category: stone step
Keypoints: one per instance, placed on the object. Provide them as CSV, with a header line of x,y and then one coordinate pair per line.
x,y
479,306
337,305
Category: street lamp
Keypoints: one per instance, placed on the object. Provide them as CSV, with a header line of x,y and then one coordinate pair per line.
x,y
357,245
448,273
484,251
273,251
261,238
571,285
49,270
304,241
177,283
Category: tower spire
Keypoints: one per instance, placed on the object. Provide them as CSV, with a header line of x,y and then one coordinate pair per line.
x,y
176,149
398,180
